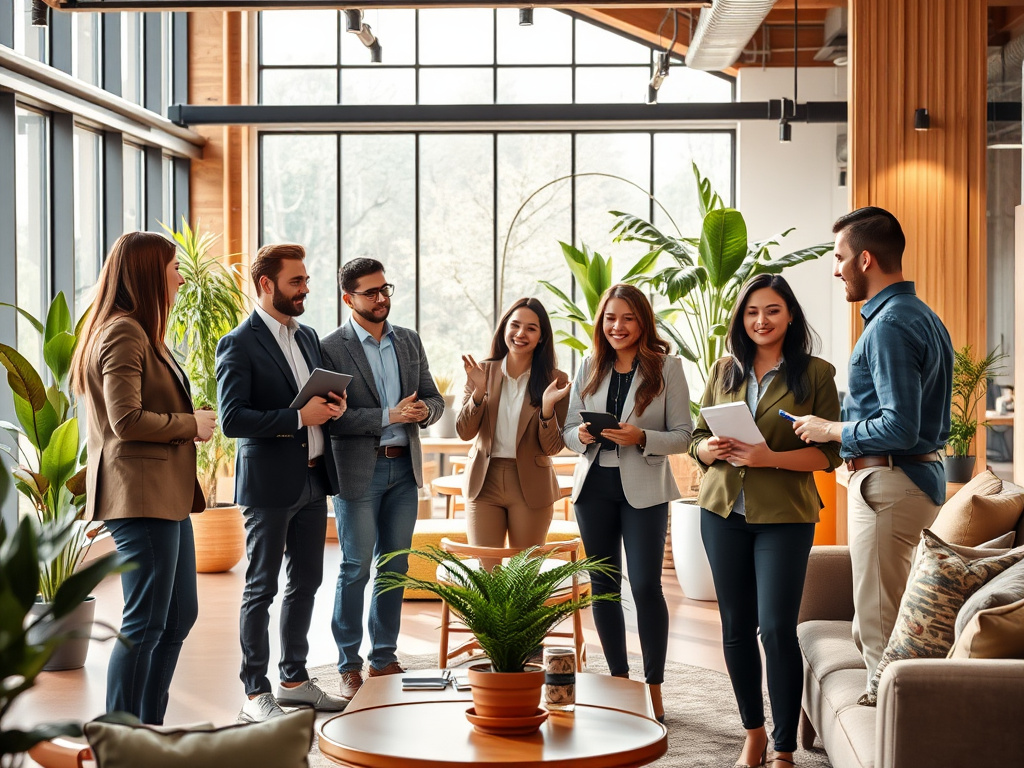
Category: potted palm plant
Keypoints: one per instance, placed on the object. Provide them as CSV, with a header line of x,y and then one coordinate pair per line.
x,y
51,474
970,383
209,304
509,610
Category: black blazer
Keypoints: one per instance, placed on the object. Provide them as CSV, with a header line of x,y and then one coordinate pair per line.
x,y
254,388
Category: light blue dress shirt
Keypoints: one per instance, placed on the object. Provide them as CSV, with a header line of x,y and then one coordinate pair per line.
x,y
383,362
755,391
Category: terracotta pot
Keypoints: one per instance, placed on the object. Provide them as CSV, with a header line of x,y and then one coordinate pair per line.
x,y
72,653
506,694
220,538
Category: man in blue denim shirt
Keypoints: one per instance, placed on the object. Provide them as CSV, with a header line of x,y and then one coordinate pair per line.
x,y
895,421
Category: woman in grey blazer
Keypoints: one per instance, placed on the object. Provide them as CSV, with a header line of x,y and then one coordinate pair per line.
x,y
623,483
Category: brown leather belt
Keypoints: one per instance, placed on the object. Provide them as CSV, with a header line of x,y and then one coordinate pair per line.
x,y
314,462
391,451
863,462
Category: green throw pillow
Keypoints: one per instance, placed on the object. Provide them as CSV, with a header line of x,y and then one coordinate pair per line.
x,y
944,577
282,742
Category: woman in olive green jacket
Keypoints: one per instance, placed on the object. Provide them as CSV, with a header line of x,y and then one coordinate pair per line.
x,y
759,503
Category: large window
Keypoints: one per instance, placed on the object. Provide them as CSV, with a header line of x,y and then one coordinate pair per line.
x,y
86,47
32,193
88,148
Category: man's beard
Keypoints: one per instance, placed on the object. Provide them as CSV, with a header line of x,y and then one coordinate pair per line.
x,y
287,306
374,318
856,286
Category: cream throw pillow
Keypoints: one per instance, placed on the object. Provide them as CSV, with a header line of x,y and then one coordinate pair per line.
x,y
282,742
995,633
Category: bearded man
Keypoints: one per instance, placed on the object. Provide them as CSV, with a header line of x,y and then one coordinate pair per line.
x,y
376,450
895,421
282,477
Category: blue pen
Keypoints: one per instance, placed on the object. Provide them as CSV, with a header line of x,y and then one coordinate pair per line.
x,y
786,416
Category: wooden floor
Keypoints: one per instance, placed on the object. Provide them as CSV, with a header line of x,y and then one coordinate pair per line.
x,y
206,687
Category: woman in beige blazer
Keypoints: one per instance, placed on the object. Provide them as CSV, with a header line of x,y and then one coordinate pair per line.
x,y
141,471
513,409
624,483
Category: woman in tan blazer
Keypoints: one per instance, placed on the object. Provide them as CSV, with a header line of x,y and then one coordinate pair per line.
x,y
759,503
513,409
141,471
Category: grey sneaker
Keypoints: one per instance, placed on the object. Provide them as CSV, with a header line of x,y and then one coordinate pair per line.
x,y
309,694
262,708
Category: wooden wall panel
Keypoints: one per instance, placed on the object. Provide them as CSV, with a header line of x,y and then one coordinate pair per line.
x,y
904,55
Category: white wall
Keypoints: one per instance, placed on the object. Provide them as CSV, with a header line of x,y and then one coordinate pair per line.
x,y
797,185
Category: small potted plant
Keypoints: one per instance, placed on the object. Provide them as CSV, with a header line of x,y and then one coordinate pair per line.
x,y
510,611
445,426
970,383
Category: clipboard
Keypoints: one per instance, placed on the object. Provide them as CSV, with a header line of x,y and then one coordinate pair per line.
x,y
732,420
320,383
600,421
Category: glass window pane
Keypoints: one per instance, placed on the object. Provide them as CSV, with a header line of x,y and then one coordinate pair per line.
x,y
598,46
548,41
456,247
612,85
396,32
28,40
535,85
457,86
299,195
526,163
88,148
85,47
378,212
131,57
299,37
378,86
674,184
134,189
299,86
167,214
32,172
457,36
627,155
684,85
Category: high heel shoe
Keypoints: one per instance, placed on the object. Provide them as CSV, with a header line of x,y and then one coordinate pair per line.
x,y
764,757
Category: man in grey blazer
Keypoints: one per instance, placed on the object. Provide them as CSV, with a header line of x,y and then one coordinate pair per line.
x,y
376,450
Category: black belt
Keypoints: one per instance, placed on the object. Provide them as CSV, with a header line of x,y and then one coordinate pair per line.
x,y
314,462
863,462
391,451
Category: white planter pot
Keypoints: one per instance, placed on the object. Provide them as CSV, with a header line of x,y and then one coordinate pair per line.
x,y
691,561
445,426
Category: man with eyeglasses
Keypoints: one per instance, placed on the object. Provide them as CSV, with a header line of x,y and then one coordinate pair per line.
x,y
376,450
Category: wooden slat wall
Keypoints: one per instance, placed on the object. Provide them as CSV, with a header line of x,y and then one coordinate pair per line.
x,y
906,54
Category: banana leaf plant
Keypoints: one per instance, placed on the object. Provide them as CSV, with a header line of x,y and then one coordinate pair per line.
x,y
705,273
51,473
593,274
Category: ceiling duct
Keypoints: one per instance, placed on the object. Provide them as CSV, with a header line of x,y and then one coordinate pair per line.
x,y
722,32
834,45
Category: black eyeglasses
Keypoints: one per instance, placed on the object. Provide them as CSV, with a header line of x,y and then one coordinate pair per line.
x,y
373,294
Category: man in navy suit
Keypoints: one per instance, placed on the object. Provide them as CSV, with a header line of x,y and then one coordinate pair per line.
x,y
282,479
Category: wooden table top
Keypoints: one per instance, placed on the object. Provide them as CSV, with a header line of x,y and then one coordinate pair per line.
x,y
455,485
385,727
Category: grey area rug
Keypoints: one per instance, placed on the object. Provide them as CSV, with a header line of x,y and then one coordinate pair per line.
x,y
700,712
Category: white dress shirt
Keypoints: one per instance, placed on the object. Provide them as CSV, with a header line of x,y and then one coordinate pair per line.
x,y
285,337
513,392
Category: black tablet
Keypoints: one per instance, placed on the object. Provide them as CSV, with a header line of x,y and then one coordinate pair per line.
x,y
599,421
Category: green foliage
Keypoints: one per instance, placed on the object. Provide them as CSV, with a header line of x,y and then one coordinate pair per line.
x,y
970,382
52,477
705,273
22,557
506,609
210,303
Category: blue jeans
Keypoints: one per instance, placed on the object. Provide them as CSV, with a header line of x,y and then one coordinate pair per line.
x,y
160,607
381,521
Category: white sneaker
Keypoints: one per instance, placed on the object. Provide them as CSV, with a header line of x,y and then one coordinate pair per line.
x,y
262,708
309,694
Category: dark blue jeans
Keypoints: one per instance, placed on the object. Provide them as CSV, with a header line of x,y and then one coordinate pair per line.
x,y
160,607
759,571
607,524
379,522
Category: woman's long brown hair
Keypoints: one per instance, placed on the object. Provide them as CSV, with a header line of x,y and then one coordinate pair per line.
x,y
651,349
133,282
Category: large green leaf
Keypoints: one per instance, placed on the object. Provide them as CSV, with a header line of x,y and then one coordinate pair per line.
x,y
38,425
27,315
775,266
60,458
58,318
630,228
16,741
707,199
723,244
642,267
57,353
79,585
22,377
572,341
684,349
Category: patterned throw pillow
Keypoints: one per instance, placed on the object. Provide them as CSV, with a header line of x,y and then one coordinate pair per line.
x,y
943,579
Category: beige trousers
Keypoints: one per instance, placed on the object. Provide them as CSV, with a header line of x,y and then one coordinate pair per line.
x,y
501,511
887,513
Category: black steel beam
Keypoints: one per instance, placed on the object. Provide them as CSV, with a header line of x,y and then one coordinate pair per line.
x,y
1004,111
112,53
263,5
60,41
113,188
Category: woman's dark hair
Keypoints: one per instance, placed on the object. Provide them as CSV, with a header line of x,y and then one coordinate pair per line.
x,y
651,349
799,344
542,370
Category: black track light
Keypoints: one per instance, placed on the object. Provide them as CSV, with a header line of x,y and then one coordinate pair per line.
x,y
353,20
526,17
922,122
40,14
785,131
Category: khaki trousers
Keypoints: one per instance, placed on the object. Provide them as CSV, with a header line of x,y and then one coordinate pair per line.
x,y
501,511
887,513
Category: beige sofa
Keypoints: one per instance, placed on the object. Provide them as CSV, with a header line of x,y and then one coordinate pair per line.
x,y
964,713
